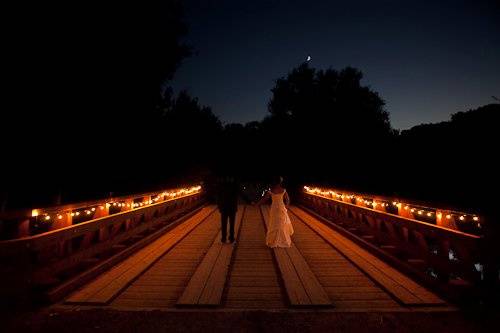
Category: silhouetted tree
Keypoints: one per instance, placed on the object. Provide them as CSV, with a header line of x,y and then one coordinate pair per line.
x,y
338,123
86,83
452,161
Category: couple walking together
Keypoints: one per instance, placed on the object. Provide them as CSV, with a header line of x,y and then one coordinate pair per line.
x,y
279,228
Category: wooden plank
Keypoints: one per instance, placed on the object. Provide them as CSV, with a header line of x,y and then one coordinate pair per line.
x,y
395,289
398,285
193,290
315,291
87,276
302,286
109,284
294,288
207,283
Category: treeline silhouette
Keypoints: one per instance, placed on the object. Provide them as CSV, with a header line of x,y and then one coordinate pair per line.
x,y
96,115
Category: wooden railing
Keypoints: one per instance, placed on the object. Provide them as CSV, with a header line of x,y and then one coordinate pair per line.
x,y
447,259
46,260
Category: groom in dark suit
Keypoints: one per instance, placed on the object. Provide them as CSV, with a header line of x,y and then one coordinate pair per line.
x,y
227,202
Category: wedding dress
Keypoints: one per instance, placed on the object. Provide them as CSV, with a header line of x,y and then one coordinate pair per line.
x,y
280,227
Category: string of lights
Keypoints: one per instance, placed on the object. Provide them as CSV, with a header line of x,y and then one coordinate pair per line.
x,y
415,210
87,211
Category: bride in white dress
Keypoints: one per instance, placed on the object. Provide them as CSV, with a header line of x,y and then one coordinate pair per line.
x,y
280,227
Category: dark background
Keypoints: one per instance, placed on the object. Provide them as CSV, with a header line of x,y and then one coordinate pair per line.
x,y
94,102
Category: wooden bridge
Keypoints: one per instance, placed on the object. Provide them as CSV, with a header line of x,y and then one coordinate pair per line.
x,y
166,254
189,267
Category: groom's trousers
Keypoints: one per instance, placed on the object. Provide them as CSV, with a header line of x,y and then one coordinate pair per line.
x,y
225,216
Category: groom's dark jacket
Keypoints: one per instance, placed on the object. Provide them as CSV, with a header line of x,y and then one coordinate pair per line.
x,y
227,195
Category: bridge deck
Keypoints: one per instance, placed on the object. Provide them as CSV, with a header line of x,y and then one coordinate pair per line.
x,y
194,269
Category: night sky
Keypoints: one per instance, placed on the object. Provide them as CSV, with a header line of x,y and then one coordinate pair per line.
x,y
426,59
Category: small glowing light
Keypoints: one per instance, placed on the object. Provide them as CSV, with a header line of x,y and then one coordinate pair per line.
x,y
101,207
462,218
394,203
429,214
47,217
406,207
419,212
114,203
77,213
412,210
34,213
448,216
87,212
439,215
475,218
59,216
72,214
93,209
128,205
108,205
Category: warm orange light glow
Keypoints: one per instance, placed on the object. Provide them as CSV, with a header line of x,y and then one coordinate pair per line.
x,y
462,218
475,218
448,216
158,197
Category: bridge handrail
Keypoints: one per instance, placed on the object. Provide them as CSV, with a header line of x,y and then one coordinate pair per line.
x,y
445,258
420,225
37,242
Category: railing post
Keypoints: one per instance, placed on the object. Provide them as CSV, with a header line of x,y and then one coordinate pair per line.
x,y
102,211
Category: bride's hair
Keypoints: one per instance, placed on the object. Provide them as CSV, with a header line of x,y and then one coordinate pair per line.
x,y
277,180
